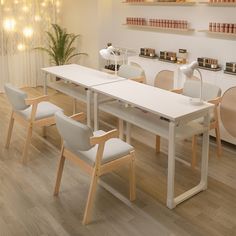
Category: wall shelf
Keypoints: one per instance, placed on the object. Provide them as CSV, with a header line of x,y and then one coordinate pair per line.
x,y
231,35
160,3
161,29
229,73
210,69
219,4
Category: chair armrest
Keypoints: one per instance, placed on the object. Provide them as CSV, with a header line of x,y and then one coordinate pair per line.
x,y
103,138
179,91
32,101
78,117
215,101
139,79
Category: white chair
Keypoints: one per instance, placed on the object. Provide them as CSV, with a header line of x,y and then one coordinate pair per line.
x,y
96,153
30,112
212,94
132,72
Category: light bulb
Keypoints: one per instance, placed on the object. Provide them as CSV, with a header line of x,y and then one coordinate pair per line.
x,y
21,47
25,8
9,24
28,32
37,18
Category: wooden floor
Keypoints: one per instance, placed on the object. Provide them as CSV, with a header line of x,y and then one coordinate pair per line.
x,y
27,206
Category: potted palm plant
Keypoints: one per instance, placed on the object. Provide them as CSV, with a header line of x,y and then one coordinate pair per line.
x,y
60,45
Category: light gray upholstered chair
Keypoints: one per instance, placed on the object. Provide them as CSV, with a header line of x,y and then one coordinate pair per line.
x,y
132,72
29,112
95,152
212,94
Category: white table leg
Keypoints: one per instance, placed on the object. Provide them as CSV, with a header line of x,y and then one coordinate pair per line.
x,y
121,129
88,107
95,97
204,167
205,153
171,167
128,132
45,90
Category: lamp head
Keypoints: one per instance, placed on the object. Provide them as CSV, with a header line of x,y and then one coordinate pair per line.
x,y
105,54
189,68
110,49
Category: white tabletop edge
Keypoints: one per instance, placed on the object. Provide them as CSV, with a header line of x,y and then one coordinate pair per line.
x,y
97,79
196,109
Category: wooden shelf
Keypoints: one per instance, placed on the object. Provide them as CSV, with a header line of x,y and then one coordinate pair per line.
x,y
168,30
210,69
218,33
219,4
187,3
229,73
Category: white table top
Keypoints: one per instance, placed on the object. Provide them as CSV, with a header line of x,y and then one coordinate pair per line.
x,y
81,75
158,101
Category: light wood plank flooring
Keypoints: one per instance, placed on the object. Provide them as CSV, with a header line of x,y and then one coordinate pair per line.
x,y
27,206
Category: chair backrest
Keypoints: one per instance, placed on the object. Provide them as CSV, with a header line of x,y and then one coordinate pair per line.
x,y
129,71
76,135
209,91
228,111
164,80
16,97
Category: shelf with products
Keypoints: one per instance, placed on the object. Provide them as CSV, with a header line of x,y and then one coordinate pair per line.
x,y
161,29
161,3
222,34
219,4
230,73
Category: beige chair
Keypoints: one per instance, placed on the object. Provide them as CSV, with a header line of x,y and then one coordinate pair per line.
x,y
96,153
132,72
30,112
164,80
212,94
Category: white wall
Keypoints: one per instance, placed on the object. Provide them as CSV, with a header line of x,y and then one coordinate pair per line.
x,y
92,20
197,44
100,21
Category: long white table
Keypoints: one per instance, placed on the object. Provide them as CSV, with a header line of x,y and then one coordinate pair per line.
x,y
82,76
175,114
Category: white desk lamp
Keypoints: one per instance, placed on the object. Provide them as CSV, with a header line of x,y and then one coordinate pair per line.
x,y
188,70
107,53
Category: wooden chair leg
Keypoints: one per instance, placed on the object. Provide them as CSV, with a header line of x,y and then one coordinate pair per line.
x,y
121,129
27,144
74,106
9,132
132,180
89,204
44,131
158,144
59,173
218,142
194,151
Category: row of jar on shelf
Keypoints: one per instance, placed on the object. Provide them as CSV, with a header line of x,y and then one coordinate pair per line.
x,y
180,24
181,58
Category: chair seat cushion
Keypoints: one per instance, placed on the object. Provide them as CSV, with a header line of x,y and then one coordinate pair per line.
x,y
114,149
201,119
44,110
